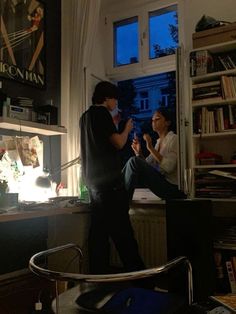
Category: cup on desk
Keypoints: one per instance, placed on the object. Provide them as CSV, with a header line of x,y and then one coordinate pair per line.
x,y
9,200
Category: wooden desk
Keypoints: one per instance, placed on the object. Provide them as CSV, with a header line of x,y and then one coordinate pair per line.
x,y
15,215
25,232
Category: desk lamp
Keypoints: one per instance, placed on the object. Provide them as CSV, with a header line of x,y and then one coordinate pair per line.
x,y
45,180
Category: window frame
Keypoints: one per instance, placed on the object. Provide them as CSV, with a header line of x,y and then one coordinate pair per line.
x,y
145,66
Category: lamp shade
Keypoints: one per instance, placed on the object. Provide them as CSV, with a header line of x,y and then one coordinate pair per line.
x,y
45,180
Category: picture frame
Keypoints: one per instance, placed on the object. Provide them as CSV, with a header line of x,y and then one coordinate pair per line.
x,y
22,41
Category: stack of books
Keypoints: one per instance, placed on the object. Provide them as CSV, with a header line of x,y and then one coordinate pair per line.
x,y
215,184
214,119
203,62
225,259
207,90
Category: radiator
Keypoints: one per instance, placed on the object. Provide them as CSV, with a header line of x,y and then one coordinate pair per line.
x,y
150,233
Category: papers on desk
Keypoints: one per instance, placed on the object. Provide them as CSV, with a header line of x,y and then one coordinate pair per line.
x,y
145,194
227,300
30,206
54,202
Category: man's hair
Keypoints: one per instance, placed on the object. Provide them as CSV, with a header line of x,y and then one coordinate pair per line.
x,y
104,90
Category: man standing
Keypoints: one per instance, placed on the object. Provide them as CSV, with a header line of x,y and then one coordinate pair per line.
x,y
101,170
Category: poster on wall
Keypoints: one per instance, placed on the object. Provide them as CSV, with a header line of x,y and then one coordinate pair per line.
x,y
22,47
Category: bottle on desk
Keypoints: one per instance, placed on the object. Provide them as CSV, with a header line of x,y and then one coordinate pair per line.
x,y
83,192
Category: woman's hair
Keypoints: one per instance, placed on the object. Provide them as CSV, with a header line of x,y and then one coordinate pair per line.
x,y
169,115
104,90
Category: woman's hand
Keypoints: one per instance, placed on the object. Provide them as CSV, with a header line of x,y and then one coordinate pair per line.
x,y
148,140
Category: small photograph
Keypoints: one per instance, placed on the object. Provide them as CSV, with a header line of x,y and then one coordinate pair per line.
x,y
27,151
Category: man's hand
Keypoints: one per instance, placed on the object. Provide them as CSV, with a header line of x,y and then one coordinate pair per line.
x,y
118,140
129,125
136,146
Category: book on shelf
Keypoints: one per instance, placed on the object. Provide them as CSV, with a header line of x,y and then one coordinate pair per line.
x,y
208,184
210,93
228,86
226,60
207,84
223,174
201,63
206,90
207,100
222,284
213,119
231,275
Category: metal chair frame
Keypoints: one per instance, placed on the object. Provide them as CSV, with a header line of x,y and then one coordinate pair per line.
x,y
103,278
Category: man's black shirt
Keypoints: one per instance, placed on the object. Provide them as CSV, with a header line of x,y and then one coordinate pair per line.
x,y
101,167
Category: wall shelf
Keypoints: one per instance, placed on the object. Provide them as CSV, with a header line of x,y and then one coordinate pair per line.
x,y
31,127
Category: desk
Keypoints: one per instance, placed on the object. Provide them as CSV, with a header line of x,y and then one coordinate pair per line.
x,y
15,215
25,232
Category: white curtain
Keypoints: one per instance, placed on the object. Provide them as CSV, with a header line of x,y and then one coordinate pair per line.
x,y
80,20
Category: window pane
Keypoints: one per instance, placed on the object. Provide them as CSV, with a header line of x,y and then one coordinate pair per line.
x,y
163,32
126,41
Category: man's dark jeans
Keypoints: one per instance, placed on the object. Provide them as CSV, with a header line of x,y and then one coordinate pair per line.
x,y
110,218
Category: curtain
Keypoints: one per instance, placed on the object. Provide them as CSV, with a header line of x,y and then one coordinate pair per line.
x,y
79,25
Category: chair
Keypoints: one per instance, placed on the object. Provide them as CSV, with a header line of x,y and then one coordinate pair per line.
x,y
119,293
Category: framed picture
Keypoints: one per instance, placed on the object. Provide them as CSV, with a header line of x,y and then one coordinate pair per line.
x,y
22,46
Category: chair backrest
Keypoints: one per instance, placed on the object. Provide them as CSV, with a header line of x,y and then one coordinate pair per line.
x,y
42,271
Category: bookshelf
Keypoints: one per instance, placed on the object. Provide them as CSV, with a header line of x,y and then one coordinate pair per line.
x,y
213,120
225,259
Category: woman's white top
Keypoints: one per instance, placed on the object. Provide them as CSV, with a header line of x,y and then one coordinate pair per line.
x,y
168,164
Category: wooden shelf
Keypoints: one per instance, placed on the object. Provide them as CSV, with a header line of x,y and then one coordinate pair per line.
x,y
212,75
219,47
209,102
215,166
216,134
31,127
225,246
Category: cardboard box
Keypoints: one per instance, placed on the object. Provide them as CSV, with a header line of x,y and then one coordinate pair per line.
x,y
214,35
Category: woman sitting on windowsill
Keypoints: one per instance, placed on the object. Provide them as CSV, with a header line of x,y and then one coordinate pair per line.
x,y
158,171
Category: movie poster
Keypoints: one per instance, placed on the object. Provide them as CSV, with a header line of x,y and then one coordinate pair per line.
x,y
22,48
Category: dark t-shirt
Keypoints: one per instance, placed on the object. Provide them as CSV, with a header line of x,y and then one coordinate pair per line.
x,y
101,167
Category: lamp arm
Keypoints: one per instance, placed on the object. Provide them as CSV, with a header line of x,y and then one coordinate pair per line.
x,y
66,165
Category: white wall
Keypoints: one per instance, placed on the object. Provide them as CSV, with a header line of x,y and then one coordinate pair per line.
x,y
223,10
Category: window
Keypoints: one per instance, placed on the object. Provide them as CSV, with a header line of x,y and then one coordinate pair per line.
x,y
140,40
126,42
142,100
164,100
163,32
